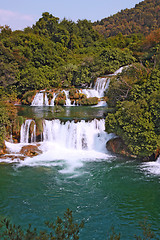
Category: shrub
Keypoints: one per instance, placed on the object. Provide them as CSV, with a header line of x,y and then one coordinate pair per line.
x,y
28,97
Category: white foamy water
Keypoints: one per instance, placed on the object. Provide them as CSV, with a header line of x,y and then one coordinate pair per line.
x,y
67,145
24,134
152,167
80,135
54,97
100,87
68,101
40,99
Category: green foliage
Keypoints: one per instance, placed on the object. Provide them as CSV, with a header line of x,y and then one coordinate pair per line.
x,y
141,19
147,232
114,58
35,78
3,121
8,116
28,97
136,98
134,124
60,99
126,85
114,235
88,101
62,229
56,53
39,125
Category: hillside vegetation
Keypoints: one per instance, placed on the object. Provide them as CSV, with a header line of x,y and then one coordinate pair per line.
x,y
145,17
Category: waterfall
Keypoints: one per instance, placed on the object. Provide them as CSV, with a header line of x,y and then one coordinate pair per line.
x,y
73,135
64,144
40,99
33,134
25,132
68,101
100,86
54,97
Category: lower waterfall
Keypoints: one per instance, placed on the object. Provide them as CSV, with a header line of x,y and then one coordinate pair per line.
x,y
79,135
64,144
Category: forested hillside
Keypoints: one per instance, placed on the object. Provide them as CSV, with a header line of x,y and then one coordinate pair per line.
x,y
56,53
144,18
63,54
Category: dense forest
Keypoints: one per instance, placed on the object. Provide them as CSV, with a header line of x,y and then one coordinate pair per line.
x,y
65,54
145,17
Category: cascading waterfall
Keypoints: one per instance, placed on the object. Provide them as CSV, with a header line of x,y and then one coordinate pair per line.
x,y
33,134
100,86
68,101
40,99
25,132
65,144
80,135
98,90
73,135
52,101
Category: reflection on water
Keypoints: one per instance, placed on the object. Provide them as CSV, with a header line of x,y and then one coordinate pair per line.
x,y
48,112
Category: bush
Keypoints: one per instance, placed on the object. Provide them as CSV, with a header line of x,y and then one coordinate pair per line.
x,y
60,99
62,229
28,97
89,101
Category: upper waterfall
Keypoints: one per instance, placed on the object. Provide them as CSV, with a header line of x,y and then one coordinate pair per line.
x,y
100,86
40,99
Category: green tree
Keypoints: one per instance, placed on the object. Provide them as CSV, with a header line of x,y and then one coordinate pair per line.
x,y
62,229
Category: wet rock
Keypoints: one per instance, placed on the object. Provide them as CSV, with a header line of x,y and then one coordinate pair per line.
x,y
117,145
30,150
2,151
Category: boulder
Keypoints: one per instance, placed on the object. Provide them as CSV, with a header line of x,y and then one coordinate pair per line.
x,y
117,145
30,150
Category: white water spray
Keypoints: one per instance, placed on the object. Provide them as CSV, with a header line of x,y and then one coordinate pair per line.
x,y
66,144
25,132
40,99
80,135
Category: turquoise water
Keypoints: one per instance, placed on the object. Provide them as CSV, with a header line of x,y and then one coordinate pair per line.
x,y
115,192
104,192
80,112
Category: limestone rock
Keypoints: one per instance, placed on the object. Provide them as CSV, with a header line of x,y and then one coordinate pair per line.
x,y
30,150
117,145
